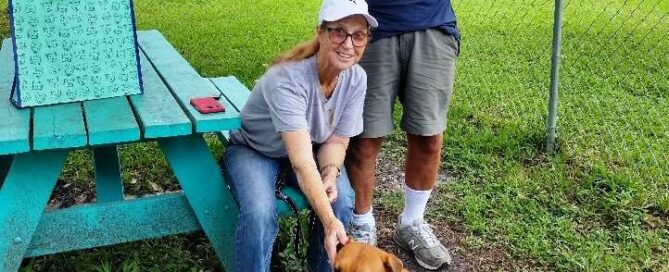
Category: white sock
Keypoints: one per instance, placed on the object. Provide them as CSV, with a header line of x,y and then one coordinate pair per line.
x,y
366,218
414,205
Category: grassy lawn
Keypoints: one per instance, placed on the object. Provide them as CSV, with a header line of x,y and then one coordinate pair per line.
x,y
600,204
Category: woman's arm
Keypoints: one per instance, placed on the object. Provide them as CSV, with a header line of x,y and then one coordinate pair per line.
x,y
330,160
298,146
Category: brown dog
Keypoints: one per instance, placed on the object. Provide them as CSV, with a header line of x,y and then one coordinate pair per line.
x,y
359,257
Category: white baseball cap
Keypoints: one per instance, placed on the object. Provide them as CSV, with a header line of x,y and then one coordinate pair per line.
x,y
333,10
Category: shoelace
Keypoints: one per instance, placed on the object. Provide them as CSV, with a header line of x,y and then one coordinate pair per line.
x,y
425,232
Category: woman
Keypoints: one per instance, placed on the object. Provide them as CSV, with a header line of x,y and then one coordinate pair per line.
x,y
301,113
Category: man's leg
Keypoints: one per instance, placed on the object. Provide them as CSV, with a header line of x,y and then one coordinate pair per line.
x,y
382,65
361,166
423,158
422,167
413,233
426,97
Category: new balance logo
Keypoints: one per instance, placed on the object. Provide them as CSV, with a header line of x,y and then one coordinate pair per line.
x,y
413,245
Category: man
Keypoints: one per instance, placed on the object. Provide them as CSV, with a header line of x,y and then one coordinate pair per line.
x,y
411,57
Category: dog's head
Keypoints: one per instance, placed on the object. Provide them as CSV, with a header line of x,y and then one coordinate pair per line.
x,y
359,257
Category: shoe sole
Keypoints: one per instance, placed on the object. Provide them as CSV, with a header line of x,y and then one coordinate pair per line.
x,y
421,263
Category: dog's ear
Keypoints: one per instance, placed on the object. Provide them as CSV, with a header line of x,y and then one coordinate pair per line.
x,y
393,264
340,245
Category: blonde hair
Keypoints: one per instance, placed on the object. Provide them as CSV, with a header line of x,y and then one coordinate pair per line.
x,y
300,52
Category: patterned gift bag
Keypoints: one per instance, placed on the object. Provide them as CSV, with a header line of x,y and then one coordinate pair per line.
x,y
73,50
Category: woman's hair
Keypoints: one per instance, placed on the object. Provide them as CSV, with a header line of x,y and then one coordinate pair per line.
x,y
299,52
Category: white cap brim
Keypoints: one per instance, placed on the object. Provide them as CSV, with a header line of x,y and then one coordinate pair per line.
x,y
371,20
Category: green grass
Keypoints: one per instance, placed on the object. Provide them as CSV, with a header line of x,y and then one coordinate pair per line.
x,y
600,204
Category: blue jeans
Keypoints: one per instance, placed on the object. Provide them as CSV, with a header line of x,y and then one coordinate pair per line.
x,y
252,178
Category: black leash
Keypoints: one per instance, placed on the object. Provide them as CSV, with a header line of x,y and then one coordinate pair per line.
x,y
281,182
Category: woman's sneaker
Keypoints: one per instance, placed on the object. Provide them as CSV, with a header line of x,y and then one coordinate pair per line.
x,y
363,233
419,239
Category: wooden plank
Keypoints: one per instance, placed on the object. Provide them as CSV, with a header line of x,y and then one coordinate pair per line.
x,y
233,90
108,184
204,187
237,96
110,121
185,83
59,126
158,112
102,224
14,123
23,198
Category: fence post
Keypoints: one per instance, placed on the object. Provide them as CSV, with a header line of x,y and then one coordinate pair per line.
x,y
555,77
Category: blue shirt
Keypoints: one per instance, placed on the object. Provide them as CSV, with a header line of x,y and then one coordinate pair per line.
x,y
400,16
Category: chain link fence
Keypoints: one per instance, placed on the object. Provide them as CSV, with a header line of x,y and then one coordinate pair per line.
x,y
609,179
614,90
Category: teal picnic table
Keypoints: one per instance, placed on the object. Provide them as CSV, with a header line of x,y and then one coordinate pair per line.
x,y
34,144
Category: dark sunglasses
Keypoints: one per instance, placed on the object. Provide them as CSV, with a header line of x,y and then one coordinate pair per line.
x,y
338,35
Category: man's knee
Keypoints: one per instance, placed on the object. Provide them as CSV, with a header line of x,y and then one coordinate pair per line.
x,y
364,149
426,144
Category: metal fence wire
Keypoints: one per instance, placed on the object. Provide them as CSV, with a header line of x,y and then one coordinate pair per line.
x,y
613,84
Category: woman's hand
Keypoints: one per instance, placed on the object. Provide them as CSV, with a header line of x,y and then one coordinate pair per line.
x,y
334,234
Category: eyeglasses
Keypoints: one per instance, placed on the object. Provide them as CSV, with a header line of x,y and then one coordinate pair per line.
x,y
339,35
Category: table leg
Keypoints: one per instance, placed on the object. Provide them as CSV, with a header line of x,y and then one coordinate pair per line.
x,y
5,162
108,184
23,198
206,191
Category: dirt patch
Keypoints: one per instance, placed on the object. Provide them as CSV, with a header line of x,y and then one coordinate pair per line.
x,y
485,259
67,194
390,177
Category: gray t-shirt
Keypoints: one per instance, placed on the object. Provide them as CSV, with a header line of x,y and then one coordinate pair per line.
x,y
288,97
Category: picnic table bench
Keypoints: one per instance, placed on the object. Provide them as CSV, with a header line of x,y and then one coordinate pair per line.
x,y
34,144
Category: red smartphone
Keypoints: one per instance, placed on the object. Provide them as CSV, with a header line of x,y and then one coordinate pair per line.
x,y
207,105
